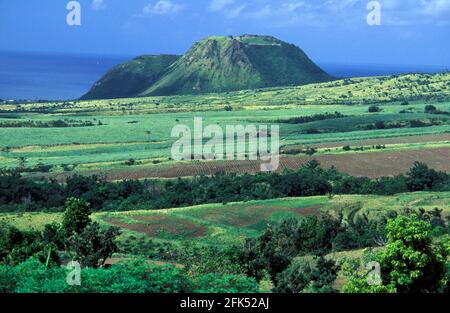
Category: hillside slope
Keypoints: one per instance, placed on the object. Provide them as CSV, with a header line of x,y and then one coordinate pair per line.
x,y
221,64
130,78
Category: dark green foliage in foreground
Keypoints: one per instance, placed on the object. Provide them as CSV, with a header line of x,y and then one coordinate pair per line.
x,y
17,246
94,245
275,249
283,252
29,262
411,262
131,277
273,252
85,241
204,259
313,276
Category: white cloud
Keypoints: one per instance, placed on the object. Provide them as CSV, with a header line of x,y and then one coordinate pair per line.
x,y
98,5
415,12
219,5
229,8
162,7
293,6
436,7
236,11
286,13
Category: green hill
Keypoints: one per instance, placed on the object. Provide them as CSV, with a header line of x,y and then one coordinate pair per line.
x,y
130,78
215,64
220,64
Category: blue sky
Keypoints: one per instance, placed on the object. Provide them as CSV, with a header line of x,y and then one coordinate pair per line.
x,y
412,32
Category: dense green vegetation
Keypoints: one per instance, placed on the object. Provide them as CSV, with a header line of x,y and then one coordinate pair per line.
x,y
411,261
20,193
26,266
282,254
288,255
293,231
403,90
131,78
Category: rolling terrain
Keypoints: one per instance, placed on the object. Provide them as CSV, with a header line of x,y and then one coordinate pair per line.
x,y
371,127
231,223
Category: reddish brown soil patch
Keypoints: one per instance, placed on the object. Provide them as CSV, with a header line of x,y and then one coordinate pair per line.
x,y
155,224
309,211
370,164
244,216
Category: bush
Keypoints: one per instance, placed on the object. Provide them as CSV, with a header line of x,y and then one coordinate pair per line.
x,y
374,109
411,262
430,109
314,276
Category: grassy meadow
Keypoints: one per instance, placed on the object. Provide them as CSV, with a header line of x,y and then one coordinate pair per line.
x,y
231,223
116,137
372,127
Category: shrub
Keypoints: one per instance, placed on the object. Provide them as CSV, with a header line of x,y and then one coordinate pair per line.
x,y
374,109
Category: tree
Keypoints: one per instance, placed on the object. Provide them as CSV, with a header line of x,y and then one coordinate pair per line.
x,y
374,109
431,109
76,216
273,251
93,245
410,262
421,177
380,125
17,246
316,275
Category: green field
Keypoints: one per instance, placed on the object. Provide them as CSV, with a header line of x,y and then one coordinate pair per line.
x,y
146,137
231,223
126,139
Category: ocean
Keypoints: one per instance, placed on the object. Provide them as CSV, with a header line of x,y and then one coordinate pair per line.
x,y
46,76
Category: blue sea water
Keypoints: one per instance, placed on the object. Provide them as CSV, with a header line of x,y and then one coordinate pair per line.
x,y
43,76
365,70
46,76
